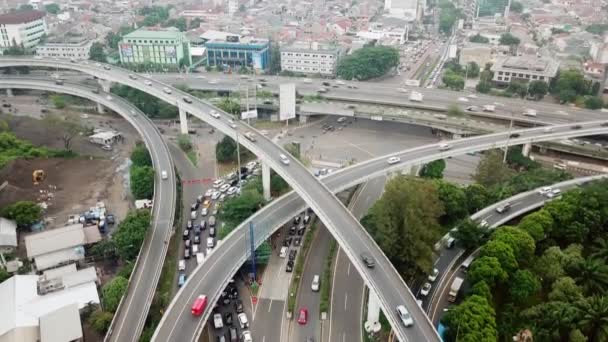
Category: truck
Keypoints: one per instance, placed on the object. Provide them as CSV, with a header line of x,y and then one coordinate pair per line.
x,y
454,289
200,257
416,96
489,108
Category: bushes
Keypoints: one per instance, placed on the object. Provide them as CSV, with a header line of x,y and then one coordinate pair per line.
x,y
325,304
24,213
142,182
100,321
12,148
113,292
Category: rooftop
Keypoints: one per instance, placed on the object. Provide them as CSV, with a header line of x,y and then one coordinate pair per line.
x,y
529,63
20,17
308,46
68,318
8,232
54,240
154,34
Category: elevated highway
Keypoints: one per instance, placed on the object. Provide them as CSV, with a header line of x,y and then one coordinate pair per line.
x,y
132,312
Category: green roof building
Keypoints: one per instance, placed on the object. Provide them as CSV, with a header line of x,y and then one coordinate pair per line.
x,y
167,47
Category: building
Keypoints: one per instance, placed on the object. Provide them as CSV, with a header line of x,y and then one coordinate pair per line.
x,y
235,52
162,47
8,235
399,35
23,28
408,10
38,309
105,137
58,246
478,53
595,71
233,7
310,58
524,68
73,48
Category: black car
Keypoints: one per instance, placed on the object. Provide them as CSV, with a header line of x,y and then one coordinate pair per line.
x,y
194,206
110,219
301,230
186,235
576,127
297,241
292,254
203,225
292,230
514,135
197,229
287,242
368,260
238,306
289,267
212,231
228,318
604,124
296,220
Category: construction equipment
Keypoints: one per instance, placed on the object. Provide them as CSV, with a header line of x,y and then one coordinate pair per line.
x,y
38,176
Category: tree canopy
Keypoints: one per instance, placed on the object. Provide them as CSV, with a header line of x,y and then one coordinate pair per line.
x,y
142,182
140,155
368,62
96,52
479,39
433,169
508,39
24,213
113,291
130,233
473,320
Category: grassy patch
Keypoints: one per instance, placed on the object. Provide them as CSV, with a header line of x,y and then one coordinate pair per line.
x,y
325,304
299,267
192,156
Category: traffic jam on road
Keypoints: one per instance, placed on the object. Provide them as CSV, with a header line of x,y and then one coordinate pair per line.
x,y
229,320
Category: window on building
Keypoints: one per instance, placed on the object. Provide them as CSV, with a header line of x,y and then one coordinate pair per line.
x,y
500,72
500,78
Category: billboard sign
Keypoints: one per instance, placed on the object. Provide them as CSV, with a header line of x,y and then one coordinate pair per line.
x,y
287,99
126,50
251,114
170,52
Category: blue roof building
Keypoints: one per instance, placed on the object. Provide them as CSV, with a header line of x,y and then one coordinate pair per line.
x,y
235,52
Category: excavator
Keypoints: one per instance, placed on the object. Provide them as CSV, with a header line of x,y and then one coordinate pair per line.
x,y
38,176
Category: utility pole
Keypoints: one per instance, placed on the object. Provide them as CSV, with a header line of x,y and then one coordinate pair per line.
x,y
504,158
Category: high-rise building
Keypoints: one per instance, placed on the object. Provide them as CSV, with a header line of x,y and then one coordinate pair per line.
x,y
165,47
405,9
73,47
233,6
24,28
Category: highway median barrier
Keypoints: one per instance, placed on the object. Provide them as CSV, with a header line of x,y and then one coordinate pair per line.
x,y
325,304
299,267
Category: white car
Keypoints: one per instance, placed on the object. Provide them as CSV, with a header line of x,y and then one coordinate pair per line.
x,y
231,191
218,323
231,123
472,96
215,114
222,198
548,129
393,160
444,147
554,193
340,82
218,183
246,337
463,99
315,283
243,322
307,80
545,190
148,83
167,90
210,242
215,195
405,316
433,276
181,266
483,223
209,192
224,187
426,288
163,175
204,211
109,98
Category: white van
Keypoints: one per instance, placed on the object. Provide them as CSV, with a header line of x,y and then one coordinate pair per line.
x,y
243,322
283,252
450,243
315,283
210,242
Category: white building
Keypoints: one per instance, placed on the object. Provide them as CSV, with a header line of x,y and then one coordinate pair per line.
x,y
8,235
22,29
233,6
525,68
409,10
56,246
36,309
379,33
76,48
310,58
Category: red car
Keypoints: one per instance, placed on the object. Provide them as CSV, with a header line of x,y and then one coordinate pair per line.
x,y
199,305
303,316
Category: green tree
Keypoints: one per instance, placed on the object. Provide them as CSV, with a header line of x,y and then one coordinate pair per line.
x,y
433,169
140,156
469,234
479,39
472,320
594,318
491,171
404,234
275,59
448,16
230,106
577,336
184,142
237,209
483,87
594,102
599,249
552,263
24,213
152,106
592,274
518,88
508,39
520,241
368,62
517,6
195,23
569,84
501,251
538,89
455,110
453,80
481,288
524,284
454,201
472,70
551,321
478,197
564,289
113,291
100,321
4,274
52,8
142,182
278,185
488,270
58,101
96,52
131,233
536,224
179,23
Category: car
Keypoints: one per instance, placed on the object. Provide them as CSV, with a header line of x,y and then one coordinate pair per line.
x,y
163,175
576,127
444,147
206,203
212,232
216,195
215,114
472,96
514,135
217,321
246,336
555,193
187,243
228,318
181,280
133,77
243,322
231,123
301,230
426,288
287,242
483,223
106,67
186,234
503,208
472,108
187,253
284,159
204,211
306,219
238,306
231,191
315,283
193,215
181,266
187,99
604,124
530,112
292,230
224,187
405,316
292,254
463,99
433,276
217,183
197,239
199,305
303,316
297,241
222,197
545,189
209,192
210,242
368,260
393,160
148,83
289,266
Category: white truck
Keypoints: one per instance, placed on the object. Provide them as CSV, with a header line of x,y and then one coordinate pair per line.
x,y
416,96
530,112
489,108
454,289
200,257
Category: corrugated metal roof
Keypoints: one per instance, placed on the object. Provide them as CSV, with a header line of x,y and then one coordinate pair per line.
x,y
8,232
54,240
68,318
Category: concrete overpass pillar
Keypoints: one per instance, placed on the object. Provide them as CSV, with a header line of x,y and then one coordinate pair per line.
x,y
526,149
183,120
373,313
100,109
266,180
9,92
105,86
303,119
414,170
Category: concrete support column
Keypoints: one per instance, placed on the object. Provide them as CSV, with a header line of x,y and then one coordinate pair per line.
x,y
100,109
373,313
183,120
105,86
9,92
266,180
303,118
415,170
526,149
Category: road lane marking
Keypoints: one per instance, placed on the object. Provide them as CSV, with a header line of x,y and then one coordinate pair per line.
x,y
270,305
345,301
348,270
